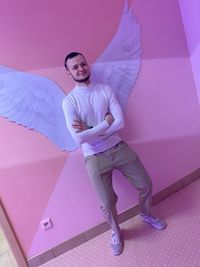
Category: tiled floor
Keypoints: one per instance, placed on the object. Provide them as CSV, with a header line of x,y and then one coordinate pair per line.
x,y
6,256
177,246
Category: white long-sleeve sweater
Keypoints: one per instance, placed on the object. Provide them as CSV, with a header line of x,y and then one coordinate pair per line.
x,y
90,104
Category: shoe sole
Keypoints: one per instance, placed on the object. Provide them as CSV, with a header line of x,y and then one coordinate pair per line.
x,y
155,227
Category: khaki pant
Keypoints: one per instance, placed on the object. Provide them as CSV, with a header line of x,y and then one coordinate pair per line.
x,y
100,167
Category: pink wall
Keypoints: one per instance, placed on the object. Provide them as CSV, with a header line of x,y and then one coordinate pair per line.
x,y
36,179
38,34
191,21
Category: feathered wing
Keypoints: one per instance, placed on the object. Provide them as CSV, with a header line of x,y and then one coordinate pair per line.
x,y
35,102
119,64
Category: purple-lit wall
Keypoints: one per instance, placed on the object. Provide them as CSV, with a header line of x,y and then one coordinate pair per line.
x,y
162,118
191,21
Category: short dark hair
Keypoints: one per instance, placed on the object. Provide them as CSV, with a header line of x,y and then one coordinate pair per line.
x,y
71,55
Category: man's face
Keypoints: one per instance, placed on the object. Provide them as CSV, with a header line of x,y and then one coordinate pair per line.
x,y
78,68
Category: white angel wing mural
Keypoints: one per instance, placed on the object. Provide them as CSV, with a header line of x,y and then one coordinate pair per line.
x,y
119,65
35,101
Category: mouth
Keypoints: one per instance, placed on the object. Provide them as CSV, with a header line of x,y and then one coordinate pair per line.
x,y
83,73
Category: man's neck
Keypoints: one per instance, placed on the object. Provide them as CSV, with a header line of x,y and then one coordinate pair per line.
x,y
83,84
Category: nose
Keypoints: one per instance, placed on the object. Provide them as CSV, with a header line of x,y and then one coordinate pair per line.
x,y
80,68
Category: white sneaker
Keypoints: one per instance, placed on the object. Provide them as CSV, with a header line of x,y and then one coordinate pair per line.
x,y
156,222
116,244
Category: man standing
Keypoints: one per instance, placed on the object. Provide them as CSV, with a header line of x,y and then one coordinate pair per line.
x,y
93,117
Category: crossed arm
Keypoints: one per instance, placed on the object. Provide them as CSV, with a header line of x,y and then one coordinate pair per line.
x,y
82,133
114,120
80,126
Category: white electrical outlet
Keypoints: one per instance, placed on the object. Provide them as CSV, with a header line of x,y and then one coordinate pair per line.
x,y
46,224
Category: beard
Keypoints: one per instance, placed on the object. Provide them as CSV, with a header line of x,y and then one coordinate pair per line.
x,y
82,80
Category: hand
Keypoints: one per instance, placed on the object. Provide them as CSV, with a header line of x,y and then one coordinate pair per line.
x,y
79,125
109,118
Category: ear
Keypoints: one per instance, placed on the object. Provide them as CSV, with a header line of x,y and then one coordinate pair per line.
x,y
68,72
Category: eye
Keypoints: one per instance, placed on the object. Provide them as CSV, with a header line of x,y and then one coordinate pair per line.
x,y
75,67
